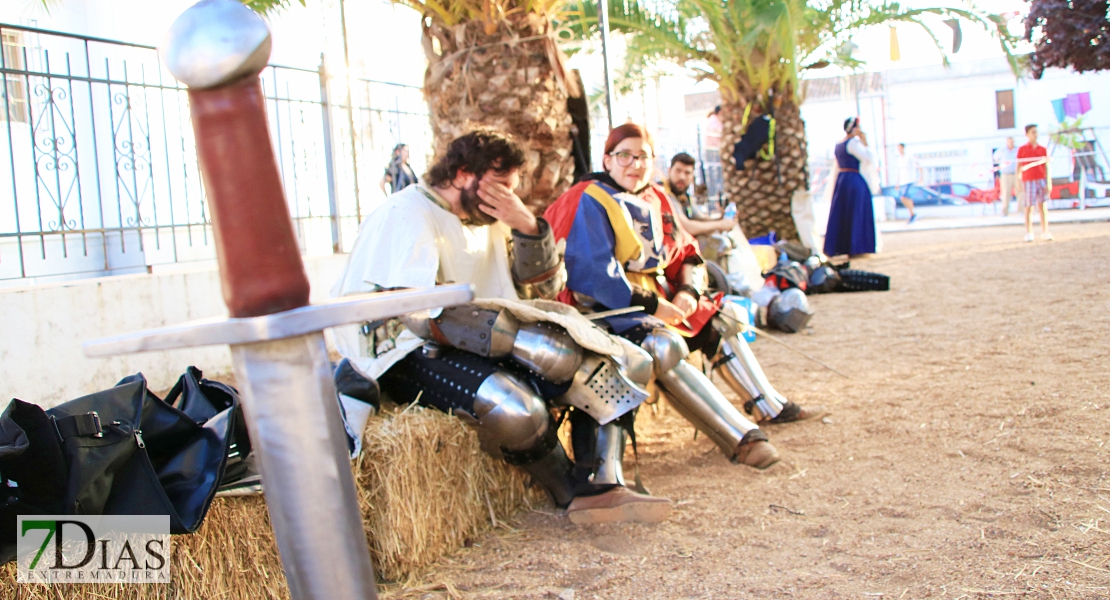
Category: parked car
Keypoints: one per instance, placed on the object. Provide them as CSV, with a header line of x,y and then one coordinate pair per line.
x,y
1064,189
923,196
967,192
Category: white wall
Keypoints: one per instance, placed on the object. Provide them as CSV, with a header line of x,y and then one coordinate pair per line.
x,y
44,326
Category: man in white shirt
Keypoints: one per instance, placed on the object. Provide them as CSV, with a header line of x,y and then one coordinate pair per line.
x,y
909,173
1009,180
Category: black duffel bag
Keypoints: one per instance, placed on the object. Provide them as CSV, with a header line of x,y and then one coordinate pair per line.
x,y
121,451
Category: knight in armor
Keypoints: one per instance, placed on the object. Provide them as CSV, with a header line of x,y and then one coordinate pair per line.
x,y
625,248
506,362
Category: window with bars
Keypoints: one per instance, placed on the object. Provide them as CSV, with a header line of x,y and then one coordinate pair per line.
x,y
15,89
939,174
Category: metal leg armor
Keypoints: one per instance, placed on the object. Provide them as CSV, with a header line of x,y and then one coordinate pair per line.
x,y
511,419
602,388
695,397
743,374
513,423
742,371
598,453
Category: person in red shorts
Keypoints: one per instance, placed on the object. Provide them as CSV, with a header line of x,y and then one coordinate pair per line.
x,y
1033,166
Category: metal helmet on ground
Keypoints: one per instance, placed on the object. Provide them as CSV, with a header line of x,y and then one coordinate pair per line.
x,y
789,311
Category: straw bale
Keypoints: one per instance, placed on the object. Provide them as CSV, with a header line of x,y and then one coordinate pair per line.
x,y
425,490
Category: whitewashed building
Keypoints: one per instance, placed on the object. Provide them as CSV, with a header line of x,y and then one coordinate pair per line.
x,y
950,118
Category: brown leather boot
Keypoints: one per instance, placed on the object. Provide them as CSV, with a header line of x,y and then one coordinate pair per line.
x,y
759,454
794,413
618,505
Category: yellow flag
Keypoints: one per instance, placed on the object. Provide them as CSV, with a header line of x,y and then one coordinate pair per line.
x,y
895,54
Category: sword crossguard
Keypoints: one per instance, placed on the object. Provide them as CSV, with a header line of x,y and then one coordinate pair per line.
x,y
286,324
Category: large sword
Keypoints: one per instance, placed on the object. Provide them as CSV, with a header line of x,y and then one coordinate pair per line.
x,y
217,48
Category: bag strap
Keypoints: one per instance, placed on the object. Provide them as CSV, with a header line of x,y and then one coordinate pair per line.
x,y
87,424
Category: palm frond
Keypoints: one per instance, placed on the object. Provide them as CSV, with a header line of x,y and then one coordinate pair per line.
x,y
755,48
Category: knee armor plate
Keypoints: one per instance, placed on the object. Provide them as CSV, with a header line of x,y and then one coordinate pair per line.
x,y
508,415
549,350
666,347
729,322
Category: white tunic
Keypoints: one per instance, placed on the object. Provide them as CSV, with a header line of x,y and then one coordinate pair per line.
x,y
411,241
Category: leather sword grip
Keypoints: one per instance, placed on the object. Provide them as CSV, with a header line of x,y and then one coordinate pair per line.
x,y
261,271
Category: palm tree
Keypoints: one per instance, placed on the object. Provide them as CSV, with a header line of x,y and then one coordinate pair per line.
x,y
755,50
496,63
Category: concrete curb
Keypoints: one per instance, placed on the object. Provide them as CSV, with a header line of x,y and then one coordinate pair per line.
x,y
1090,215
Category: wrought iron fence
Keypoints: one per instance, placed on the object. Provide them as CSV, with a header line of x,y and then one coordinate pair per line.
x,y
98,170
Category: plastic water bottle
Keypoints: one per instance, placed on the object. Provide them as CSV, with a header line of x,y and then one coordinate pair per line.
x,y
730,211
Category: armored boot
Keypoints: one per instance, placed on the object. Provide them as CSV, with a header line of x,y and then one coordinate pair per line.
x,y
602,495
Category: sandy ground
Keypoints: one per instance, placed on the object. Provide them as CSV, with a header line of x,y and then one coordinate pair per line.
x,y
966,455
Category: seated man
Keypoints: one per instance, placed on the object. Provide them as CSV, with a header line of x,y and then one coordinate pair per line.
x,y
679,179
623,248
464,224
720,240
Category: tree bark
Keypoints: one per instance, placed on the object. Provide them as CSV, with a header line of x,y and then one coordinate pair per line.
x,y
763,190
510,79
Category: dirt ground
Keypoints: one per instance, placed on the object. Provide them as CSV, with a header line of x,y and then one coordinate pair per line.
x,y
965,456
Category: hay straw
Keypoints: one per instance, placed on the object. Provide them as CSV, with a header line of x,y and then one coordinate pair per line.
x,y
425,489
233,556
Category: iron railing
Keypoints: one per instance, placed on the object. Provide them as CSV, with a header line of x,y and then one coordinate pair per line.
x,y
98,170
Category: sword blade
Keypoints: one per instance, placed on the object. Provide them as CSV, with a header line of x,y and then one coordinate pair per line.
x,y
612,313
292,413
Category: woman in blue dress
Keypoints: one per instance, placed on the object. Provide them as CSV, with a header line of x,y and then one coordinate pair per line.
x,y
851,227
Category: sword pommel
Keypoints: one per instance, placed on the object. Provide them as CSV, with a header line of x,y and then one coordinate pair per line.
x,y
215,42
217,48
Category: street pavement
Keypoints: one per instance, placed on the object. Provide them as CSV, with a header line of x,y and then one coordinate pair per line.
x,y
926,222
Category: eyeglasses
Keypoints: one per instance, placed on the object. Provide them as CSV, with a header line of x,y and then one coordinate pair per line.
x,y
625,159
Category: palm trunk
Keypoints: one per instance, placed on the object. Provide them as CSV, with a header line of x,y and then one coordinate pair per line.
x,y
510,79
763,190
